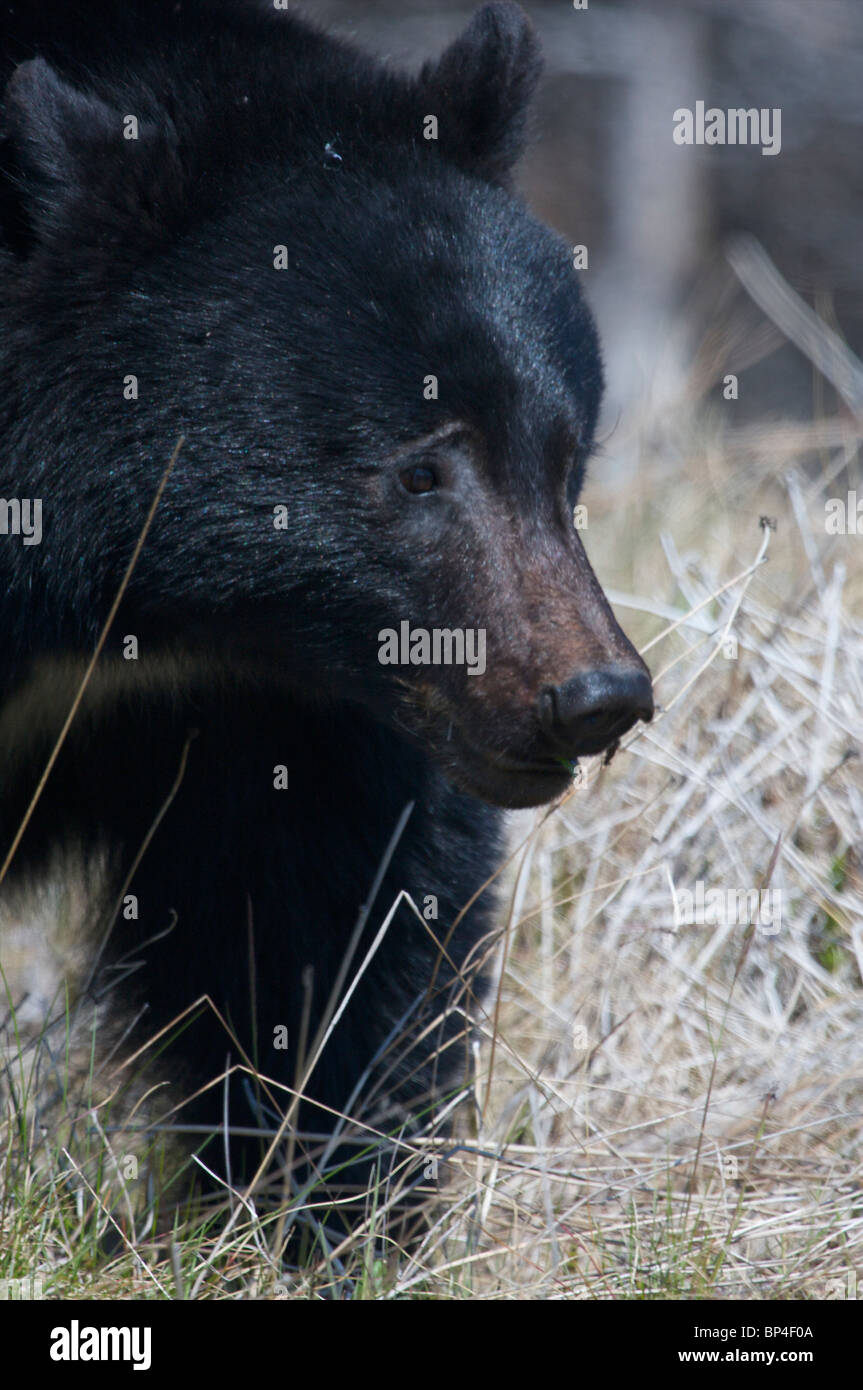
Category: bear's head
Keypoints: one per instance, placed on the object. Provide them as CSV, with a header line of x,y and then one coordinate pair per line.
x,y
385,374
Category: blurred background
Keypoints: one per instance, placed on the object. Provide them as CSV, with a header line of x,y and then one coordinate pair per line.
x,y
658,218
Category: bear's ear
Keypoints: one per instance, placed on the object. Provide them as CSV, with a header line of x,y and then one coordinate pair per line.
x,y
51,124
480,90
50,129
61,145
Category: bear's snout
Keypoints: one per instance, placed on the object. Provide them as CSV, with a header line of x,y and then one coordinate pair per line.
x,y
593,709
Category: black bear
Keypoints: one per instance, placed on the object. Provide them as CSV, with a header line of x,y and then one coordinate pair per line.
x,y
361,620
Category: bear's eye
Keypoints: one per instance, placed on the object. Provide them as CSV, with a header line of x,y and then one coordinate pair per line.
x,y
418,479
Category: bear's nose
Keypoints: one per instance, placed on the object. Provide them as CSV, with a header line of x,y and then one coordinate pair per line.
x,y
593,709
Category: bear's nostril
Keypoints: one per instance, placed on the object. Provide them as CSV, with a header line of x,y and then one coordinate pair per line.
x,y
593,709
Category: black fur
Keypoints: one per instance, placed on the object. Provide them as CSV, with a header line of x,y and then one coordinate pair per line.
x,y
304,387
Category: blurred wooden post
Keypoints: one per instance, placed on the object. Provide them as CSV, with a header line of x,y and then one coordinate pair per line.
x,y
658,207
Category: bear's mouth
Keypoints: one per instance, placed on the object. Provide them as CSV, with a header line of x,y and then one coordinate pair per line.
x,y
513,780
516,787
504,780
